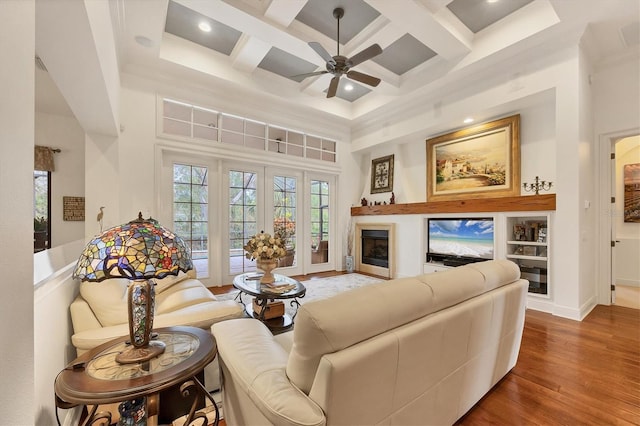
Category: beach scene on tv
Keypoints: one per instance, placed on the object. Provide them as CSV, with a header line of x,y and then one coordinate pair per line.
x,y
462,237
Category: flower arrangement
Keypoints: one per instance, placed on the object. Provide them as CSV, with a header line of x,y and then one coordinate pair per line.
x,y
264,247
284,228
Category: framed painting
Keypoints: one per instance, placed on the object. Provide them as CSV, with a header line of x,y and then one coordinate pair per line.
x,y
382,174
631,183
482,161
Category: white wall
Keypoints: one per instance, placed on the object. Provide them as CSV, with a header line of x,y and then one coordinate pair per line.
x,y
54,292
65,133
554,103
17,83
586,191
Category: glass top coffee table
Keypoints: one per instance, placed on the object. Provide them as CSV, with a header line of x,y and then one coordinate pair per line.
x,y
284,288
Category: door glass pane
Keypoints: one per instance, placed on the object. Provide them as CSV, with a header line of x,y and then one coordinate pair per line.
x,y
242,219
284,216
319,221
191,212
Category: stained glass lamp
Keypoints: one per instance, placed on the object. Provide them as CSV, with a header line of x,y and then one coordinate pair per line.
x,y
140,251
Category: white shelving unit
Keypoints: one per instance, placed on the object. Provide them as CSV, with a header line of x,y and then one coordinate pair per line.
x,y
528,244
431,267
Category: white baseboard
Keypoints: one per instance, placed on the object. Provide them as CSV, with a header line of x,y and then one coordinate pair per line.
x,y
628,283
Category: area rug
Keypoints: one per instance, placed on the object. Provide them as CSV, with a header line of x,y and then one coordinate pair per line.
x,y
317,288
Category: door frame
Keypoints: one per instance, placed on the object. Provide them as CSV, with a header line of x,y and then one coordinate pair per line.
x,y
606,173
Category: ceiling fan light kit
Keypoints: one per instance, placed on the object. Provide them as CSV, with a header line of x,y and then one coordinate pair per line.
x,y
339,65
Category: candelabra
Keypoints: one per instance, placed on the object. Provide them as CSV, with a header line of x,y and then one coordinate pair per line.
x,y
537,186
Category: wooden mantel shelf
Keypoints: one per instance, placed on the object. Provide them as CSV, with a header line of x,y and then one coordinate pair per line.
x,y
504,204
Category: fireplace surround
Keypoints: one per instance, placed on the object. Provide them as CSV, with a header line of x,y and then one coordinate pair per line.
x,y
375,248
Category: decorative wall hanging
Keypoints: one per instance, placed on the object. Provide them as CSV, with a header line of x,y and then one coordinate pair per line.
x,y
73,208
382,174
631,183
482,161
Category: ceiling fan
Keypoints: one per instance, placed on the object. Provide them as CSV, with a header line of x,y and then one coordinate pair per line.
x,y
341,65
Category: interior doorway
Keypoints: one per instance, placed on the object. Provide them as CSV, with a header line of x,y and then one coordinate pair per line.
x,y
625,224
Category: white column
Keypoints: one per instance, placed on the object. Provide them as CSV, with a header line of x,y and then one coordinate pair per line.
x,y
17,47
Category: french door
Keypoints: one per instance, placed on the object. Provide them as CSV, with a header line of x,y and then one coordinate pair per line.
x,y
217,205
261,199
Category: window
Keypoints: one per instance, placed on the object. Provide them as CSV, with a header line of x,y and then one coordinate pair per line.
x,y
41,210
243,221
186,121
191,212
319,221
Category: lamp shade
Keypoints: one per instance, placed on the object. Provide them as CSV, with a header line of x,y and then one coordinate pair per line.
x,y
140,249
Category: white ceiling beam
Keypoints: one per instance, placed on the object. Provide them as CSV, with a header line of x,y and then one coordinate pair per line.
x,y
248,53
253,26
418,21
283,12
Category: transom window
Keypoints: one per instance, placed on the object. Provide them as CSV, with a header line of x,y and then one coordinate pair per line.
x,y
198,123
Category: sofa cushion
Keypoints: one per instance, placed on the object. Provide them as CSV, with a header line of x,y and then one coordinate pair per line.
x,y
329,325
185,293
107,299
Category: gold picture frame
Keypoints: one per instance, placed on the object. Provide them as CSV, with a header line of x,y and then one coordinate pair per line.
x,y
382,174
482,161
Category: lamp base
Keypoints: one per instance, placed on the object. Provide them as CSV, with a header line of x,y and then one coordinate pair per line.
x,y
134,355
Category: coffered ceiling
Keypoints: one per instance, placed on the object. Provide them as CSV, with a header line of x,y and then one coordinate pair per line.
x,y
262,46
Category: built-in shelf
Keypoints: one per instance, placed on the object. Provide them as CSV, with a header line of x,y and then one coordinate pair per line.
x,y
543,202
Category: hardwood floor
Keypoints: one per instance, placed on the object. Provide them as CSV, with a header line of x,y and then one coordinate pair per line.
x,y
569,373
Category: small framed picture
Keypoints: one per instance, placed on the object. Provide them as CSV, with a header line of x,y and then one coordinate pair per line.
x,y
519,232
382,174
542,235
529,251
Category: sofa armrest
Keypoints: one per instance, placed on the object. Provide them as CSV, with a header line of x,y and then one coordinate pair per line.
x,y
82,317
256,363
202,315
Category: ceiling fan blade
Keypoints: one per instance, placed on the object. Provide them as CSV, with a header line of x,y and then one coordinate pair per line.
x,y
366,54
309,74
333,87
322,52
363,78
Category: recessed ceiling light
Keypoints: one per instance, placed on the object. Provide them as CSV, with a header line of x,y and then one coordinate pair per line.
x,y
348,87
204,26
468,120
493,1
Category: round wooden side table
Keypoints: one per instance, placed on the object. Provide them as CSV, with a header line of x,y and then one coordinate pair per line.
x,y
96,378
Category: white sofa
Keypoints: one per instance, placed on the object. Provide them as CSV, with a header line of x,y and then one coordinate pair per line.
x,y
99,312
420,350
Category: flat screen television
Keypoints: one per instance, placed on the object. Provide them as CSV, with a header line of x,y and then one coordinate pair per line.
x,y
458,241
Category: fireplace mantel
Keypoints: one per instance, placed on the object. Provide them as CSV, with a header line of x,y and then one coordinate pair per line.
x,y
503,204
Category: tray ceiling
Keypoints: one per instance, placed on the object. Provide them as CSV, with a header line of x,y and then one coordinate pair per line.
x,y
428,45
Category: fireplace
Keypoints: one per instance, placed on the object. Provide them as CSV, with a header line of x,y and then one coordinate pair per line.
x,y
375,249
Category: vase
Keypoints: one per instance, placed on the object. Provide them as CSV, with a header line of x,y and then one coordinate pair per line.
x,y
267,266
349,263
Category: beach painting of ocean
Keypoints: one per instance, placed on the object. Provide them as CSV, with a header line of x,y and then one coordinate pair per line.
x,y
461,237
